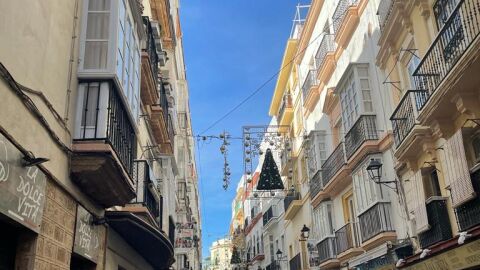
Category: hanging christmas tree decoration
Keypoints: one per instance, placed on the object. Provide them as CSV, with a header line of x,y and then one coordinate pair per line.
x,y
235,256
269,176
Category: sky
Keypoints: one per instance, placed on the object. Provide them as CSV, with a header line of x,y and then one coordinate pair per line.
x,y
231,48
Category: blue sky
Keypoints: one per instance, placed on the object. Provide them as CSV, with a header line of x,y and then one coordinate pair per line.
x,y
231,48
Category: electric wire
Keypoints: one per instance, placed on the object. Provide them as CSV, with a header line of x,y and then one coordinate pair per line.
x,y
261,87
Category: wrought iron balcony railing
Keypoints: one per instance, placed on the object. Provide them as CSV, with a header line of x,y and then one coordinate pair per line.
x,y
375,220
365,129
104,117
327,249
439,222
384,10
268,215
327,45
296,262
316,184
163,101
151,49
310,81
468,214
455,37
286,103
144,188
340,13
289,199
405,115
346,237
333,164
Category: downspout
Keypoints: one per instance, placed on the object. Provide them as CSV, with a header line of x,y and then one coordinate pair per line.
x,y
71,62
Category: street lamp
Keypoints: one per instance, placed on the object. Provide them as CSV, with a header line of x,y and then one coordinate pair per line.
x,y
304,233
279,254
374,170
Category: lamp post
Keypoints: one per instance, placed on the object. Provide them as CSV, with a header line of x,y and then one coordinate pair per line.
x,y
280,258
304,234
374,170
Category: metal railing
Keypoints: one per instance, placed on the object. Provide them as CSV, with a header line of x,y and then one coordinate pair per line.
x,y
405,115
340,13
468,214
440,229
384,10
346,237
327,45
289,199
442,9
286,103
109,122
163,100
296,262
151,49
365,129
455,37
333,164
316,184
143,188
268,215
310,81
327,249
375,221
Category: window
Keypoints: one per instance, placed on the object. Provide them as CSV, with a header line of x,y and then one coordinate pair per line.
x,y
323,220
97,34
366,192
317,152
355,94
430,183
110,46
411,67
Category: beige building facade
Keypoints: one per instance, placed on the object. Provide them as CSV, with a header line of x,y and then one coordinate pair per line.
x,y
89,128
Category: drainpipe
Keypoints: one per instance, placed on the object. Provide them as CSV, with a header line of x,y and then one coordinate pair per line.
x,y
71,62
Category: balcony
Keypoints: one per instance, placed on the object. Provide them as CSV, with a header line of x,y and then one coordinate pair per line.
x,y
440,229
147,202
365,129
285,159
459,30
384,11
468,214
267,216
335,176
104,145
296,262
285,113
327,253
309,90
405,115
316,184
324,58
347,241
345,18
292,204
149,81
376,226
160,122
333,164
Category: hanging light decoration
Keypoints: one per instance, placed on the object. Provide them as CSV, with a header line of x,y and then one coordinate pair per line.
x,y
269,176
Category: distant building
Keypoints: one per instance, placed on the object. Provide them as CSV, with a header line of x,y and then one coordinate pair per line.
x,y
220,254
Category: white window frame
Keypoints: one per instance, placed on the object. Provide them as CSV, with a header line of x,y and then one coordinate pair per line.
x,y
323,223
352,98
367,193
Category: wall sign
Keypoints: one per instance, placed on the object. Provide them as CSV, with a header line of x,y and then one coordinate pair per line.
x,y
22,189
87,239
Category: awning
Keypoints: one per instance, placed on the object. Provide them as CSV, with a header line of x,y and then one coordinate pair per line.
x,y
147,240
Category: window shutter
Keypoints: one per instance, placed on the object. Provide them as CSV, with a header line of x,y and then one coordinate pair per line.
x,y
457,175
421,217
410,196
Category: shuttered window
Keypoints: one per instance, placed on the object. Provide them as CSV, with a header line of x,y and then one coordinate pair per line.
x,y
457,174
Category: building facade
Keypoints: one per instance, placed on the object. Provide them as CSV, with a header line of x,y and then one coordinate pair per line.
x,y
380,105
220,254
89,155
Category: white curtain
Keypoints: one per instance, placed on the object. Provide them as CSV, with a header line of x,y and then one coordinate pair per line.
x,y
421,217
457,174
